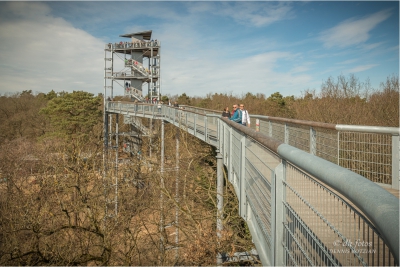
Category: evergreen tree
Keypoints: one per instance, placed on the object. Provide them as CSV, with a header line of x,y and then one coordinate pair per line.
x,y
73,114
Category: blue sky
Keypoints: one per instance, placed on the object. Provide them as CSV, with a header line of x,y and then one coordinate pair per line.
x,y
206,47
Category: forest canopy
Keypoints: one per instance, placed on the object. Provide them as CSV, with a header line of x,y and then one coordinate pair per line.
x,y
341,100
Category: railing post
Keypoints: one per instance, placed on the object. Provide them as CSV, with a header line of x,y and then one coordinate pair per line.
x,y
286,134
277,214
395,162
220,135
313,141
230,167
338,148
270,128
162,229
220,201
177,137
205,128
242,181
195,125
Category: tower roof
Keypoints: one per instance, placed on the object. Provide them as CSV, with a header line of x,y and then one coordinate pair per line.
x,y
146,35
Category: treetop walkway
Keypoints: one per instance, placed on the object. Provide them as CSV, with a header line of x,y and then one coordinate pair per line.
x,y
311,193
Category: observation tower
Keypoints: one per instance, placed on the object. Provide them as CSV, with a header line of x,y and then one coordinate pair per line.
x,y
131,65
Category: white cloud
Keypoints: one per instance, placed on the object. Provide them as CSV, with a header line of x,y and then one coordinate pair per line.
x,y
352,31
39,52
255,13
371,46
209,74
349,61
361,68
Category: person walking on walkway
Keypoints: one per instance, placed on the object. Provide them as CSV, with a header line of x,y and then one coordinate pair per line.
x,y
237,115
245,116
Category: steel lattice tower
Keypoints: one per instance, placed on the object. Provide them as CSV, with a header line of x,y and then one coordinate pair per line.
x,y
129,64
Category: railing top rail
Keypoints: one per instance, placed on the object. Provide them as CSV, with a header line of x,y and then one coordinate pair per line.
x,y
368,129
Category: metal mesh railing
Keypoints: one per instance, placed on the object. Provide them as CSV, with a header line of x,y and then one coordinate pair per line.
x,y
323,228
260,166
367,154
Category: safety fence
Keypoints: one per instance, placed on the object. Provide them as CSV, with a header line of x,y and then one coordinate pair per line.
x,y
370,151
300,208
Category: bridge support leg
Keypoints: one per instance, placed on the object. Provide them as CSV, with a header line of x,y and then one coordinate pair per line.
x,y
116,163
177,137
162,241
220,200
150,134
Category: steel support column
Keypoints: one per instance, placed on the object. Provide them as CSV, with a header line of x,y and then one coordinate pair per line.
x,y
177,137
220,200
116,163
162,241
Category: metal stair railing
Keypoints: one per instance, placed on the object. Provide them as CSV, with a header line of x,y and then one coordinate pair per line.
x,y
136,65
132,91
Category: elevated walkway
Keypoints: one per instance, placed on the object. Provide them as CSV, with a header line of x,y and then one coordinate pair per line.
x,y
301,207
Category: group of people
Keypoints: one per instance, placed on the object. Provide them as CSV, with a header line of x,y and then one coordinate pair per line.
x,y
239,115
136,44
153,100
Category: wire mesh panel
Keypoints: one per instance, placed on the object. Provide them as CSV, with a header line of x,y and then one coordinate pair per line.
x,y
327,144
236,153
212,128
278,131
260,165
299,136
323,228
367,154
183,121
264,127
200,129
190,120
